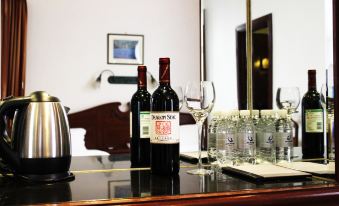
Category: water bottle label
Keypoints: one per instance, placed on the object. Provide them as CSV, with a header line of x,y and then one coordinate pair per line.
x,y
145,124
314,120
265,140
284,140
164,127
226,141
230,141
246,141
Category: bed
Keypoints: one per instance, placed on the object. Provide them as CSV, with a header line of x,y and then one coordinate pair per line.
x,y
107,129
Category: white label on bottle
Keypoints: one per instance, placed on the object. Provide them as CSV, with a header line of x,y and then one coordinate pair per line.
x,y
226,141
284,139
230,141
130,124
314,120
145,124
165,127
265,140
246,140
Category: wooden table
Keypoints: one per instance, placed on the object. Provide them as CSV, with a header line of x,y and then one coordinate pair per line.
x,y
110,180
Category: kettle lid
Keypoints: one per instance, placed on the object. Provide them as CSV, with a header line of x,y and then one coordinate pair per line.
x,y
42,96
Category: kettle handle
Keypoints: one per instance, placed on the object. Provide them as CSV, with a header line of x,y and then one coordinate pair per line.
x,y
10,104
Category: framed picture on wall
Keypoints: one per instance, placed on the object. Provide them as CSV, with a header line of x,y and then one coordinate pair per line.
x,y
125,49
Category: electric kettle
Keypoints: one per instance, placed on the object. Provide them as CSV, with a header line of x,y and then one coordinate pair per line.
x,y
38,147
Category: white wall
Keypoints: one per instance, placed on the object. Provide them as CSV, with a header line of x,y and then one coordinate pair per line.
x,y
298,43
66,46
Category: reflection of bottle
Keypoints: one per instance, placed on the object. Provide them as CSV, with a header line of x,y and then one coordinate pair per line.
x,y
140,122
284,141
211,139
312,121
140,183
165,185
266,138
246,138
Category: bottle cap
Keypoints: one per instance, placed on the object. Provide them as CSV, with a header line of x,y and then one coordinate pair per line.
x,y
164,60
282,113
235,113
224,114
312,72
255,112
245,112
142,68
215,114
265,112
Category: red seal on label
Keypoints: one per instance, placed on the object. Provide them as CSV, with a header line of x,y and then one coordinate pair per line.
x,y
163,127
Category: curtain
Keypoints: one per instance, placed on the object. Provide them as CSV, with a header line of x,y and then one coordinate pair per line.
x,y
13,47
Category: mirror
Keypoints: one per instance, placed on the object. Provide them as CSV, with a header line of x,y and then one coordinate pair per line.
x,y
67,46
301,40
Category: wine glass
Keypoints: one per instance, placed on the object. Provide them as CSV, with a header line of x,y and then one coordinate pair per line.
x,y
180,94
199,99
288,98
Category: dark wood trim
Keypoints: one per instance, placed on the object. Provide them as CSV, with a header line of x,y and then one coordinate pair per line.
x,y
312,195
335,77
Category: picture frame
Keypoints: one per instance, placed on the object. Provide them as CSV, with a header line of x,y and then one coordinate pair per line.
x,y
125,49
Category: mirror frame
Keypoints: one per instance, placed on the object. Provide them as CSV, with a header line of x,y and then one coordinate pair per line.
x,y
336,79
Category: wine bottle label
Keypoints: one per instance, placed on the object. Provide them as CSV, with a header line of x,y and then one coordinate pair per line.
x,y
145,124
314,120
265,140
164,127
246,140
284,139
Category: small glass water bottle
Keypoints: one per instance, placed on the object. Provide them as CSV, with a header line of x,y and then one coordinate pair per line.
x,y
266,138
211,140
246,138
284,139
226,141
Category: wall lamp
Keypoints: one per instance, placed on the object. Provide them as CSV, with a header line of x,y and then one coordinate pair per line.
x,y
112,79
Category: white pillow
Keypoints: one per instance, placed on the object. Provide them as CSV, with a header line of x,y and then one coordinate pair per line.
x,y
78,144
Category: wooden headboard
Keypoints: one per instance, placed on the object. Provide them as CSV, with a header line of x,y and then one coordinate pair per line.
x,y
107,127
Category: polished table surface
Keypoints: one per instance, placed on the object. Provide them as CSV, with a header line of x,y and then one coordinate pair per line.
x,y
110,178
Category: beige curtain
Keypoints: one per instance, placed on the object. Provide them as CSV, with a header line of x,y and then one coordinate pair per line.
x,y
13,47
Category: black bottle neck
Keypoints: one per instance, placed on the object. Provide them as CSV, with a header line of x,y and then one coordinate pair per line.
x,y
142,80
312,80
164,74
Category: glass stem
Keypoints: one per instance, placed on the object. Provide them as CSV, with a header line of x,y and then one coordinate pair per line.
x,y
200,123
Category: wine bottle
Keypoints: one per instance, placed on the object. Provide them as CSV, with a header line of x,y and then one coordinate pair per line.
x,y
164,125
140,122
312,121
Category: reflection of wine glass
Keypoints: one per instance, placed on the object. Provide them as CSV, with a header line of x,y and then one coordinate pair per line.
x,y
199,99
288,98
180,94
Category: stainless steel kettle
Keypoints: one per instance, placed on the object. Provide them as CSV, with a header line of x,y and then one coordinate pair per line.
x,y
39,147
